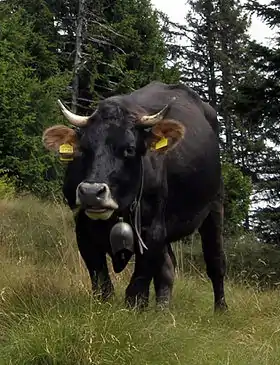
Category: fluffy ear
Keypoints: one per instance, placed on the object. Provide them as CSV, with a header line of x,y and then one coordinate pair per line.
x,y
165,135
57,135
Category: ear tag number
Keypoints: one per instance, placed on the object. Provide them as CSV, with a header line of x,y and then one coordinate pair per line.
x,y
66,152
163,142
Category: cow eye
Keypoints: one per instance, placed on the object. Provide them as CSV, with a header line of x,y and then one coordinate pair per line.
x,y
129,152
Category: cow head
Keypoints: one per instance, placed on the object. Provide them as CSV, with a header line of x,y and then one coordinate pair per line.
x,y
110,144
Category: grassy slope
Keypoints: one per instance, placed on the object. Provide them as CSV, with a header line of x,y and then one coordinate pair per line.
x,y
47,315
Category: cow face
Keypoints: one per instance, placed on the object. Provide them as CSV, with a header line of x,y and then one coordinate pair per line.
x,y
110,145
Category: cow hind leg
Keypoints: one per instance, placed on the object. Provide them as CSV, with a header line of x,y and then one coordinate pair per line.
x,y
212,244
164,277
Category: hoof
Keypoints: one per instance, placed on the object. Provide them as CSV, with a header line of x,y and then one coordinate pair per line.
x,y
138,303
103,295
162,305
221,306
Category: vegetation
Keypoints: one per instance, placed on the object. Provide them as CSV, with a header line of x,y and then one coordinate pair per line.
x,y
238,189
48,315
87,55
92,51
84,51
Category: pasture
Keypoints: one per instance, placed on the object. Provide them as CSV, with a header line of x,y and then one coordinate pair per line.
x,y
48,315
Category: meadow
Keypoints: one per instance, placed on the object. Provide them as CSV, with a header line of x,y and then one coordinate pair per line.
x,y
49,317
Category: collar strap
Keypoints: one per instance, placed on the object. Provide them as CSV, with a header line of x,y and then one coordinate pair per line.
x,y
136,208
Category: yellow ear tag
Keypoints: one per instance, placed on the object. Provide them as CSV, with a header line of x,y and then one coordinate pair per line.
x,y
66,152
161,143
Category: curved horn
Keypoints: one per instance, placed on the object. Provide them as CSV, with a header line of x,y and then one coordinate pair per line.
x,y
77,120
150,120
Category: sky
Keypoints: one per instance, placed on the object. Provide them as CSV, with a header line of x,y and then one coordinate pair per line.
x,y
176,10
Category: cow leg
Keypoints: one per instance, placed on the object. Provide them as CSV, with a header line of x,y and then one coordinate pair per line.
x,y
146,264
164,276
95,259
98,271
137,292
212,244
91,245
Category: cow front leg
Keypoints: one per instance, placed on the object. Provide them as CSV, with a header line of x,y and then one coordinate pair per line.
x,y
96,264
91,244
146,264
137,292
214,256
164,277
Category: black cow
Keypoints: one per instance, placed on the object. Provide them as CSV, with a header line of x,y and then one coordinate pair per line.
x,y
150,157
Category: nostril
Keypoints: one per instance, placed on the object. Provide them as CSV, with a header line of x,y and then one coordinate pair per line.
x,y
101,191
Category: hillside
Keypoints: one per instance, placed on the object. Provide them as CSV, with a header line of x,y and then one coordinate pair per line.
x,y
49,317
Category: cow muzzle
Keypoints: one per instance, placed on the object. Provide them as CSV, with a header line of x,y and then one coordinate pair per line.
x,y
96,199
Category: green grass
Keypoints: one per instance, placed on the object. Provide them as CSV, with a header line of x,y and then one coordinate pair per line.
x,y
48,316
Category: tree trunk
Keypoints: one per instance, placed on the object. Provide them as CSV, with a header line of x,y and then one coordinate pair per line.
x,y
211,77
226,75
78,56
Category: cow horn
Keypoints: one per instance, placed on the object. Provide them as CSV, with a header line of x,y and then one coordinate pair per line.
x,y
77,120
150,120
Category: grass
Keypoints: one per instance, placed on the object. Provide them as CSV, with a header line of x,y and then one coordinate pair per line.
x,y
48,316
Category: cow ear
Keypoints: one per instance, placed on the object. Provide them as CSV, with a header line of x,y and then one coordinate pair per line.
x,y
165,135
58,135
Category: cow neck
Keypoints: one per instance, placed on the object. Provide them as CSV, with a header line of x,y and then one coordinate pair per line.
x,y
135,210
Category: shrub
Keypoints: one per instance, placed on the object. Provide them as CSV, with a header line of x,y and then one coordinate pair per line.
x,y
238,189
249,261
7,187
